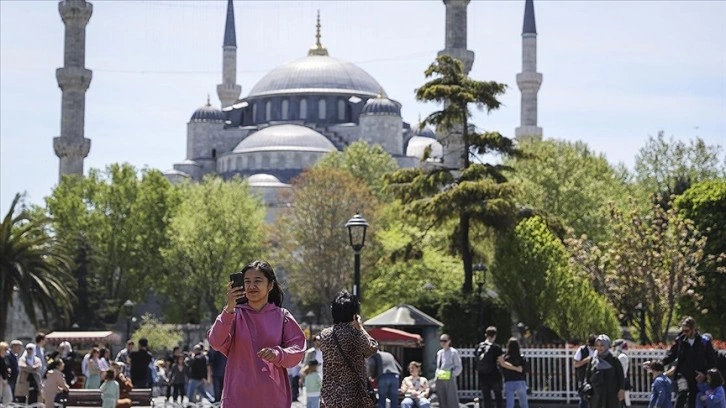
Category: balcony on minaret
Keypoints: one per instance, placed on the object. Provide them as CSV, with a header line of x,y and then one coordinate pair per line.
x,y
529,81
73,78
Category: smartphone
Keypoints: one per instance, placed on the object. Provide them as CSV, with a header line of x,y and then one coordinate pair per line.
x,y
237,279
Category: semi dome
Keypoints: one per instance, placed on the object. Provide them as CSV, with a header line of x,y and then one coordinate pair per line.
x,y
417,146
285,137
207,113
381,106
423,132
317,73
265,180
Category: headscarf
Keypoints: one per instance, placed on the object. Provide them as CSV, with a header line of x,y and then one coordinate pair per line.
x,y
600,361
29,357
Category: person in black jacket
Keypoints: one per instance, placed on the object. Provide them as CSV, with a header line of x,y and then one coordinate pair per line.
x,y
693,355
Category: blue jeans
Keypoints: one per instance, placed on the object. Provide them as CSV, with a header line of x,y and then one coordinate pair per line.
x,y
520,389
313,402
197,386
388,388
409,402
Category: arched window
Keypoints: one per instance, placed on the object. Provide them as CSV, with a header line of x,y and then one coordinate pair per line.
x,y
285,109
303,109
254,113
268,111
239,163
214,153
322,110
341,110
251,162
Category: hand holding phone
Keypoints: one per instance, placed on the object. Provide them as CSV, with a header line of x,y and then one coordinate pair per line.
x,y
238,287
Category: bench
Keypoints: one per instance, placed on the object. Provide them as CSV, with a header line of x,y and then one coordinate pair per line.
x,y
140,397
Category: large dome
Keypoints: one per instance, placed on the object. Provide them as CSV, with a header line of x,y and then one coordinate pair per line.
x,y
317,73
285,137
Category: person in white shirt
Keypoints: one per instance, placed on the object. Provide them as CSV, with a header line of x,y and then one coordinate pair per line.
x,y
619,348
582,358
314,353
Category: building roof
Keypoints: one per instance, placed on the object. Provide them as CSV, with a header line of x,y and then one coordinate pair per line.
x,y
317,73
285,137
424,131
230,35
529,26
207,113
403,315
381,105
417,146
265,180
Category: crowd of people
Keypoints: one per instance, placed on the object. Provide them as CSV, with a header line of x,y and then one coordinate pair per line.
x,y
257,357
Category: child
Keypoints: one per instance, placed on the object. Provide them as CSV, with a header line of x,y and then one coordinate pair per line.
x,y
711,393
662,387
313,382
109,390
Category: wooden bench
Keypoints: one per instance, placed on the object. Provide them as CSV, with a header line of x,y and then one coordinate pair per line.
x,y
140,397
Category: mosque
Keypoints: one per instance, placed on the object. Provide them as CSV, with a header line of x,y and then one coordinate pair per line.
x,y
295,114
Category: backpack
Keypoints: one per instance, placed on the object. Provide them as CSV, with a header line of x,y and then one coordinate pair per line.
x,y
485,359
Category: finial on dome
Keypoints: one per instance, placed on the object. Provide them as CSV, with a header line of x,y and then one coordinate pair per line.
x,y
209,103
380,92
318,48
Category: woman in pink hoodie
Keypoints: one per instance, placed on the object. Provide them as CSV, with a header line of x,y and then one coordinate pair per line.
x,y
260,339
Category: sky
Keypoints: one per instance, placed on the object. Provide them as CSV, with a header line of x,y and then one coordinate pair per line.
x,y
615,72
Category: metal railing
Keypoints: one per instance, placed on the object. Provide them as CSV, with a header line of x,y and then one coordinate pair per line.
x,y
552,378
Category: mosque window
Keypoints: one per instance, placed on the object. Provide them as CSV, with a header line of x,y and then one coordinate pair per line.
x,y
239,163
322,110
251,162
214,153
268,111
254,113
285,109
341,110
303,109
265,161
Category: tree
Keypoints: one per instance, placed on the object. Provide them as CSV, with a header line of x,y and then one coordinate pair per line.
x,y
705,204
312,242
367,163
532,275
33,263
115,223
669,167
651,260
568,180
469,192
216,230
161,336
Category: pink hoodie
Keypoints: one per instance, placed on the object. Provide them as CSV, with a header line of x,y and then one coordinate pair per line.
x,y
250,381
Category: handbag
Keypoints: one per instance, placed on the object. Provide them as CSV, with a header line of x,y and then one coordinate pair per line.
x,y
369,388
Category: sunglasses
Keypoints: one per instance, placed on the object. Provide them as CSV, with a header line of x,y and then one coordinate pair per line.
x,y
443,341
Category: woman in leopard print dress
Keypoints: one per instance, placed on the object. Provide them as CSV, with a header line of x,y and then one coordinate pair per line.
x,y
345,382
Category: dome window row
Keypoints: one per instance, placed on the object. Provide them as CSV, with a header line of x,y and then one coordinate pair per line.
x,y
296,108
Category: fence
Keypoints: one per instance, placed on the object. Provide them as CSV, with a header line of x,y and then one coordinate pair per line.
x,y
552,378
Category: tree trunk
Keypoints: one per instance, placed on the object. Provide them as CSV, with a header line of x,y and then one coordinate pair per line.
x,y
465,252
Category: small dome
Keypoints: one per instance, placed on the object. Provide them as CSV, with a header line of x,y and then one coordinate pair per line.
x,y
418,144
207,113
265,180
423,132
381,106
285,137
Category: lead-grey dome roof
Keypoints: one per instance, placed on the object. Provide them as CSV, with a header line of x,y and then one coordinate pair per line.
x,y
285,137
381,106
317,73
207,113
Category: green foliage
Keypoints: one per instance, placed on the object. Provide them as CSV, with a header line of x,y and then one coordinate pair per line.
x,y
651,260
532,275
705,204
460,315
312,242
471,193
569,181
161,336
367,163
668,167
216,230
33,263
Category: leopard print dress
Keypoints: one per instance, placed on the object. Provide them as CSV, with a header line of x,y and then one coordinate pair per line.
x,y
341,387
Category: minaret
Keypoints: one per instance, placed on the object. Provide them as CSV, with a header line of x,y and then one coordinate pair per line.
x,y
529,80
71,146
228,91
455,46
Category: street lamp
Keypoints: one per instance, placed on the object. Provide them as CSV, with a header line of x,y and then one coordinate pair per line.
x,y
129,310
357,227
480,269
309,319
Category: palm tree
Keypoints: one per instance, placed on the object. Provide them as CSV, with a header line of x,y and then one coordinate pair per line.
x,y
34,263
464,190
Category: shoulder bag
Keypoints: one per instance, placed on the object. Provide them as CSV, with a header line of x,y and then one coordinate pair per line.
x,y
369,389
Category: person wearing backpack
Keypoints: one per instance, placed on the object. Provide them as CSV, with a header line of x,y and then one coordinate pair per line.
x,y
582,358
488,354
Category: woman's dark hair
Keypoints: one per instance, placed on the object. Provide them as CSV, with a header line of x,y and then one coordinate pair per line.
x,y
275,296
344,307
513,348
714,378
109,375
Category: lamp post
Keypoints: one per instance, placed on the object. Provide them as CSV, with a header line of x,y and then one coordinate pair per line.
x,y
129,310
480,269
357,227
309,319
641,311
